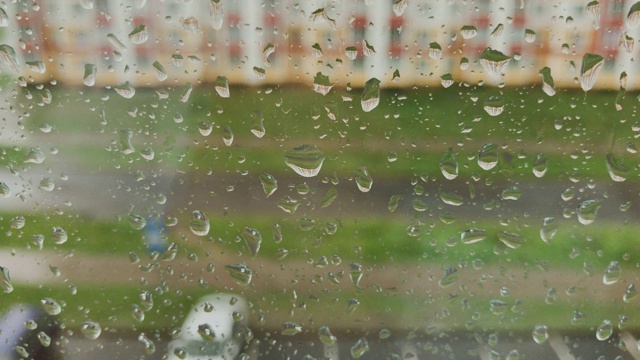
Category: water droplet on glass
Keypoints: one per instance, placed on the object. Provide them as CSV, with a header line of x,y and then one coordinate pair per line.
x,y
206,332
290,328
451,198
449,278
149,346
5,280
222,86
329,197
276,231
288,204
604,331
322,84
446,80
18,222
180,352
34,156
612,274
351,52
59,235
630,293
217,13
89,78
90,329
473,236
488,157
591,66
529,36
464,63
257,128
199,224
468,32
240,273
498,307
494,62
399,6
593,8
435,51
227,136
588,210
540,165
205,128
548,86
325,335
5,191
4,18
8,57
512,193
305,160
269,184
126,90
363,179
359,348
252,239
352,305
44,339
494,105
617,170
139,35
186,92
355,273
633,16
158,69
384,334
497,31
50,306
510,239
370,95
540,334
394,201
548,229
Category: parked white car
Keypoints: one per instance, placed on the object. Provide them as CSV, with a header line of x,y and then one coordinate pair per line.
x,y
212,330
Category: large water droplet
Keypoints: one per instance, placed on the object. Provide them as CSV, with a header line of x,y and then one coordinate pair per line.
x,y
468,32
227,136
494,105
370,95
50,306
540,165
498,307
510,239
588,210
34,156
449,165
8,57
288,204
450,198
240,273
359,348
199,224
604,331
158,69
633,16
449,278
113,39
630,293
217,13
329,197
276,232
355,273
351,52
89,78
126,90
399,6
591,66
146,300
257,128
472,236
5,191
548,229
205,128
548,86
435,51
494,62
305,160
617,170
36,66
612,274
4,18
222,86
149,346
136,221
488,157
290,328
139,35
5,280
593,8
90,329
363,179
540,334
186,92
325,335
59,235
44,339
252,239
206,332
322,84
394,201
269,184
512,193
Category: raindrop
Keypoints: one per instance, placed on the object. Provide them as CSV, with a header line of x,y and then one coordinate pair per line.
x,y
617,170
222,86
5,191
269,184
449,278
394,201
276,231
329,197
367,49
630,293
180,352
355,273
266,52
396,76
199,224
159,70
4,18
136,221
363,179
257,128
468,32
325,335
34,156
126,90
5,280
351,52
90,329
50,306
206,332
591,66
588,210
217,13
359,348
633,17
384,334
139,35
8,57
497,31
548,229
512,193
435,51
147,153
44,339
548,86
472,236
604,331
305,160
529,36
322,84
227,136
488,157
146,300
399,7
494,62
59,235
494,105
18,222
116,42
316,51
352,305
370,95
612,274
464,63
149,346
186,92
510,239
89,78
593,8
240,273
446,80
205,128
540,165
291,328
497,307
288,204
451,199
540,334
252,239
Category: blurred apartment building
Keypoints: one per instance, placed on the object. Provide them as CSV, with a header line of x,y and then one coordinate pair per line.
x,y
280,41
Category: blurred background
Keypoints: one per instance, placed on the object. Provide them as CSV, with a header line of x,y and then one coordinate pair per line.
x,y
369,179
